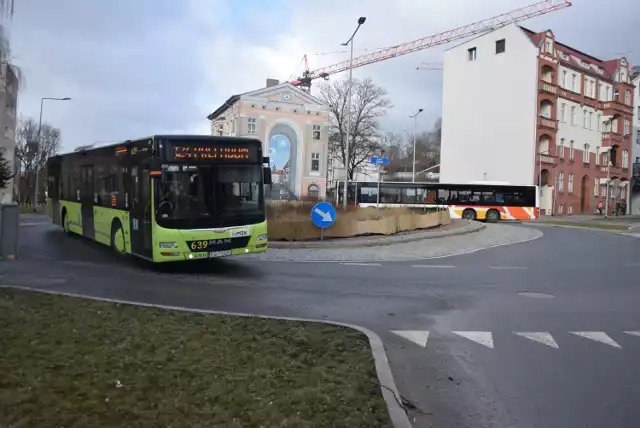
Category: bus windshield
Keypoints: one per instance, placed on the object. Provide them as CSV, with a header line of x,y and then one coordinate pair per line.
x,y
209,196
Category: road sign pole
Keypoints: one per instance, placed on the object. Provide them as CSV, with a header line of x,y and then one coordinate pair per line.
x,y
378,195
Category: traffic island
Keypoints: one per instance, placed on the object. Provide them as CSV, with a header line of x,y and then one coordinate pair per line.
x,y
297,221
68,361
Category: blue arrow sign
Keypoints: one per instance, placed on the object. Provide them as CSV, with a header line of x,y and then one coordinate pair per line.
x,y
323,215
379,161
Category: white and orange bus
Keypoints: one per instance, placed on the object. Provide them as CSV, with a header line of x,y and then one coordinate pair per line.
x,y
475,201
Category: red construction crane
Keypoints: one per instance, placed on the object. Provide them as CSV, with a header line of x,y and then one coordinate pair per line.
x,y
521,14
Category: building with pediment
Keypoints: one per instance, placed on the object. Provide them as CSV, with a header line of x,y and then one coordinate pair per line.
x,y
293,126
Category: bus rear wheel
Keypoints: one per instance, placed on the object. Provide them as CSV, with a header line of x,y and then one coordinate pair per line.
x,y
117,238
469,214
493,216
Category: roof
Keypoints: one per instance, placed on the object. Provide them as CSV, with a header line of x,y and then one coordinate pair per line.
x,y
235,98
609,66
95,146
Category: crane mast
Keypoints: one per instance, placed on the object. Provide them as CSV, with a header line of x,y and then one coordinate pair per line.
x,y
531,11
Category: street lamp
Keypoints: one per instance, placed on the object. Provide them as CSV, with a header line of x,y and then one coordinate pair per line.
x,y
361,21
39,142
415,130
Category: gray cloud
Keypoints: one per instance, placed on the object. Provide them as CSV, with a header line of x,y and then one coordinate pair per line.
x,y
145,66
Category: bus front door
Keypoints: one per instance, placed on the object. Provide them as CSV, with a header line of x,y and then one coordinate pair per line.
x,y
87,199
141,212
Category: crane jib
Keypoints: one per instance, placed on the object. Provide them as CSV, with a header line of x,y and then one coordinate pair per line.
x,y
521,14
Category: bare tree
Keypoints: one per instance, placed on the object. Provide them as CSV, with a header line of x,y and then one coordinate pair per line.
x,y
369,102
30,156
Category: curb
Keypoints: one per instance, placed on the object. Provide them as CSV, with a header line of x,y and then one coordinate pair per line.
x,y
388,388
377,242
594,229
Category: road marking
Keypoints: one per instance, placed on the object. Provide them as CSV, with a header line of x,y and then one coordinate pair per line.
x,y
632,265
434,266
508,267
543,337
361,264
633,333
419,337
484,338
598,336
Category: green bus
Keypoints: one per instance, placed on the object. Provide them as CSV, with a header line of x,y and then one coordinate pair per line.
x,y
165,198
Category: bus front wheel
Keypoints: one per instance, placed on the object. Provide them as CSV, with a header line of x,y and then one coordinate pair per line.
x,y
493,216
117,237
469,214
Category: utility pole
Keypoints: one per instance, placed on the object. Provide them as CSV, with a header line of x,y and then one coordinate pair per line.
x,y
361,21
37,150
415,130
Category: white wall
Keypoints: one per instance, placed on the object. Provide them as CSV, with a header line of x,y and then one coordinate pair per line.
x,y
568,83
577,132
489,110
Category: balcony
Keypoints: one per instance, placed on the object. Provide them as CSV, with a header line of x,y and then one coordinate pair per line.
x,y
547,123
547,87
612,137
545,159
615,105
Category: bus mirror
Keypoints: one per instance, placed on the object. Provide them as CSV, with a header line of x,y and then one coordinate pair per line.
x,y
267,175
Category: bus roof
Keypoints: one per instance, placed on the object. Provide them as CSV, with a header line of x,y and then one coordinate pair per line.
x,y
101,145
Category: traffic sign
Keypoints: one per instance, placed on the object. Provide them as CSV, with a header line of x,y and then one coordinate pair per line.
x,y
323,215
379,161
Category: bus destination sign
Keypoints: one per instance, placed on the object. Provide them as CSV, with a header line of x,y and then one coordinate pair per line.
x,y
228,153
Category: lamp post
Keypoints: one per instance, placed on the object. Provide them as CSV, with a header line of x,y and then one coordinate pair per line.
x,y
361,21
415,129
35,165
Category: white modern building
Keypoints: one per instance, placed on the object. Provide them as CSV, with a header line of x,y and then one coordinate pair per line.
x,y
522,108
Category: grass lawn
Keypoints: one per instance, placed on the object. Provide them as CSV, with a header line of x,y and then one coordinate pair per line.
x,y
71,362
604,225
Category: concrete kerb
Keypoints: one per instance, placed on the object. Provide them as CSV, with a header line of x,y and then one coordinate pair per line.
x,y
379,241
390,393
593,229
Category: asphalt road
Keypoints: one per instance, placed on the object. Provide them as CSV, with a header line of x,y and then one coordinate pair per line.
x,y
493,357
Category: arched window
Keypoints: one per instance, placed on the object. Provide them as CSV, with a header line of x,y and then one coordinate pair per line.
x,y
313,191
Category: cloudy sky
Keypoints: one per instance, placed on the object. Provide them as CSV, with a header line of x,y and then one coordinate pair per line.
x,y
135,68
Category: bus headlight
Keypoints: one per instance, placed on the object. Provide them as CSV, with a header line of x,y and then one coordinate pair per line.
x,y
261,238
168,245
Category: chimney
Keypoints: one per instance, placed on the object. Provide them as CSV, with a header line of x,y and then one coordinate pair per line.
x,y
272,82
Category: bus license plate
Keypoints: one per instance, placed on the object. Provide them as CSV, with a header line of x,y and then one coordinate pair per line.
x,y
220,253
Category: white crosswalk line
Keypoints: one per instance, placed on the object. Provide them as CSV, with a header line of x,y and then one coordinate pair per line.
x,y
360,264
633,333
434,266
419,337
598,336
508,267
484,338
543,337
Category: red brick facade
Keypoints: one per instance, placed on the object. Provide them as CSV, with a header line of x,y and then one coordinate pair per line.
x,y
581,199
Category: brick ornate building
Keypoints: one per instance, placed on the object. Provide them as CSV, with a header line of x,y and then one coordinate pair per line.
x,y
521,107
